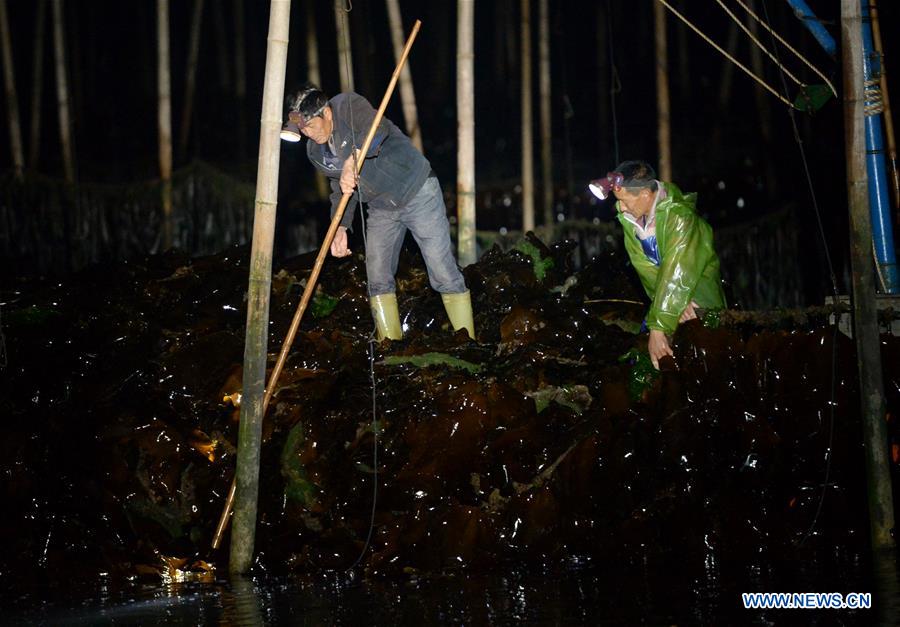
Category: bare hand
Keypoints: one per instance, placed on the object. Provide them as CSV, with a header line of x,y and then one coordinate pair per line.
x,y
349,179
689,313
658,347
339,243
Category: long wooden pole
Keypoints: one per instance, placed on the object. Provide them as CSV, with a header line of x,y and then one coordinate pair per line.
x,y
164,118
314,275
246,482
62,91
465,128
663,117
12,99
871,390
345,57
527,132
37,85
545,111
190,78
407,93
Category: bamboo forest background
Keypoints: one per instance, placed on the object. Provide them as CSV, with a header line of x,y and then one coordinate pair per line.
x,y
93,185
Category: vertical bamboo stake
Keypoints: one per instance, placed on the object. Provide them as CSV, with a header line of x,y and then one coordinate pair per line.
x,y
314,75
763,109
62,92
663,119
407,95
190,79
37,85
164,117
243,534
221,47
345,58
603,82
546,108
886,100
527,121
865,328
240,76
12,99
465,125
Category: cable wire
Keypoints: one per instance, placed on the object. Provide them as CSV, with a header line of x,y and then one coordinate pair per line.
x,y
370,348
834,289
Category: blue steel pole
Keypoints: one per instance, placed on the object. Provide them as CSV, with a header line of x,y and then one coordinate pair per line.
x,y
879,203
812,23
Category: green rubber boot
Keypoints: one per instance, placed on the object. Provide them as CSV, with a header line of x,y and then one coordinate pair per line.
x,y
387,316
459,310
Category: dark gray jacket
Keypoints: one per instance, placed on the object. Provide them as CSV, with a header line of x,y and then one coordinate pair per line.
x,y
394,170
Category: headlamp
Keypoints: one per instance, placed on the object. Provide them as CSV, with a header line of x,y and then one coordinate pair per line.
x,y
602,188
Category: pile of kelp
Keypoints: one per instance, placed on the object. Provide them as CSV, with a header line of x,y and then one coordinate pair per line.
x,y
547,438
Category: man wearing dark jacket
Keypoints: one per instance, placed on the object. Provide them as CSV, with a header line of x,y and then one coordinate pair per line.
x,y
401,191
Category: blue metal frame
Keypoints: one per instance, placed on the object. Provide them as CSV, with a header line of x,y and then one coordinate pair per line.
x,y
809,19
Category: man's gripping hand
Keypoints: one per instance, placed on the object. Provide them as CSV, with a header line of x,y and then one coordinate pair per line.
x,y
339,243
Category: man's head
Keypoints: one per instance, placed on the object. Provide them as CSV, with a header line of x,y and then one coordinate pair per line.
x,y
637,189
309,114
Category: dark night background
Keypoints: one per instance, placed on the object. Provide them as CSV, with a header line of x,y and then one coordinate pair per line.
x,y
719,147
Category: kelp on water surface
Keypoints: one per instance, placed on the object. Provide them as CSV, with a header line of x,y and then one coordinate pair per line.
x,y
542,440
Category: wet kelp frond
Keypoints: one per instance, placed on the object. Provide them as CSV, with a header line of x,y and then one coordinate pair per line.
x,y
531,443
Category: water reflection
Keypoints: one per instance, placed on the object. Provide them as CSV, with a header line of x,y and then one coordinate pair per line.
x,y
241,606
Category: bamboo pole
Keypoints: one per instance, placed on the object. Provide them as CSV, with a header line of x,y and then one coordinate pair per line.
x,y
62,92
663,115
240,76
545,113
881,508
763,109
164,117
527,122
465,128
314,75
345,57
311,282
886,101
246,482
37,85
190,79
407,94
12,99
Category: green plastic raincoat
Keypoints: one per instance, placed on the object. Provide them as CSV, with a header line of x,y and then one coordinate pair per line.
x,y
689,267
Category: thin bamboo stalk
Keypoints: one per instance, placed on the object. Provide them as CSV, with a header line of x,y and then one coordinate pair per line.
x,y
317,266
221,46
527,121
345,56
190,79
407,94
164,117
62,92
12,99
881,507
37,85
465,125
255,352
545,112
663,114
314,74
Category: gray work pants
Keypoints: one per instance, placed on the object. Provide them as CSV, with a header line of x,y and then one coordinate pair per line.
x,y
426,218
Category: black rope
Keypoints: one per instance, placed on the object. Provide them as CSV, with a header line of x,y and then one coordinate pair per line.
x,y
370,344
834,288
615,86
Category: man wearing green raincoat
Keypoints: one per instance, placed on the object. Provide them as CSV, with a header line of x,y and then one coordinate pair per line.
x,y
669,245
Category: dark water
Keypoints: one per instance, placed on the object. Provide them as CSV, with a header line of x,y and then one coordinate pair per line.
x,y
528,476
578,593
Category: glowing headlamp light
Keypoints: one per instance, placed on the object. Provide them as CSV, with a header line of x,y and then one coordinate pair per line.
x,y
602,188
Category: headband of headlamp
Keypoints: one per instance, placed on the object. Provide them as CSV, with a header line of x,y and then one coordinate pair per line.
x,y
297,119
603,187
